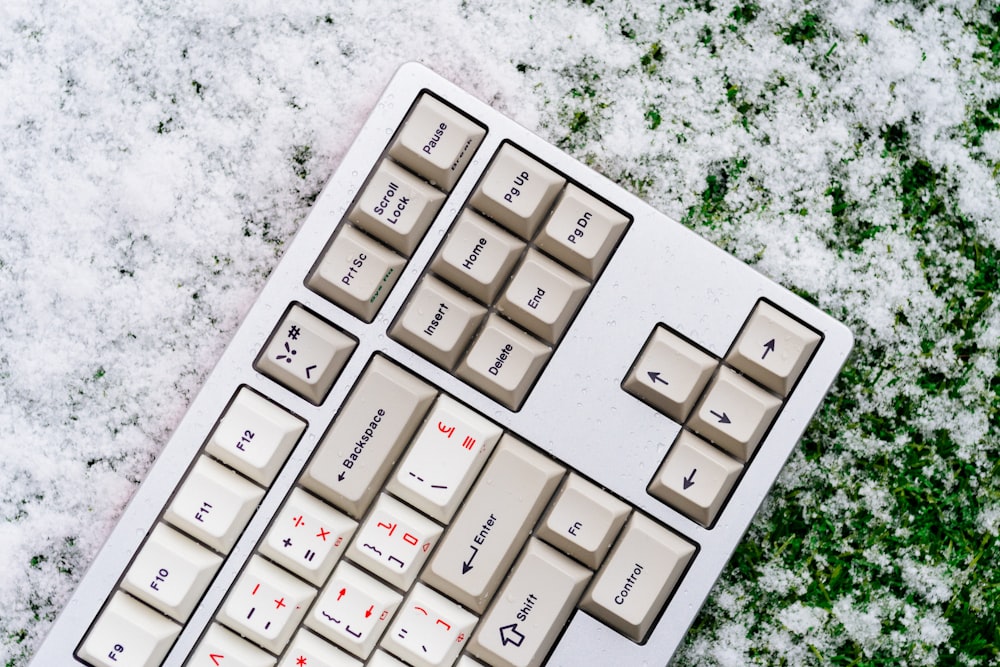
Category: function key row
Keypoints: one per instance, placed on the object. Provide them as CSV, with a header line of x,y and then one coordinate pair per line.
x,y
510,276
726,409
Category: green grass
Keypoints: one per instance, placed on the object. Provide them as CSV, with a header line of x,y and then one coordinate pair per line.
x,y
884,514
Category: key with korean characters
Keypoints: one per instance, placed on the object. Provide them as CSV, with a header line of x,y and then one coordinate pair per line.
x,y
447,454
220,647
394,541
266,604
429,630
485,537
529,611
353,610
308,650
307,537
305,354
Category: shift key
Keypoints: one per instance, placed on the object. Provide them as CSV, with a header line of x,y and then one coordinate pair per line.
x,y
379,417
491,528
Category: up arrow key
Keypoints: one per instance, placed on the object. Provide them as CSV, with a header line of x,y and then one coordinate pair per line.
x,y
654,376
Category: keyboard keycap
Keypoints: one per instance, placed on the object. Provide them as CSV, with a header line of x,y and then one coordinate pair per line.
x,y
635,581
357,273
353,610
734,413
214,504
695,478
128,634
583,521
773,348
393,541
266,604
477,256
308,650
222,648
504,362
429,630
307,537
445,457
670,374
354,457
171,572
396,207
255,436
437,142
438,322
305,354
582,231
543,296
517,191
494,522
528,614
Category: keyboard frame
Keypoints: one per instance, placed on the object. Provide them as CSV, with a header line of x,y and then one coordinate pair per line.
x,y
577,412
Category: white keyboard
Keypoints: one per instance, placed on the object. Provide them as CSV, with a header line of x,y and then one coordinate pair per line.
x,y
489,409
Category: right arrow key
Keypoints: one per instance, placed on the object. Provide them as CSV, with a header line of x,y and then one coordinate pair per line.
x,y
734,413
695,478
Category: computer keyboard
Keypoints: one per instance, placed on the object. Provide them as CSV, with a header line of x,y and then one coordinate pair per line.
x,y
489,409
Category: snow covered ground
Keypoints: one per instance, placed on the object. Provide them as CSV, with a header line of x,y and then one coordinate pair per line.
x,y
155,156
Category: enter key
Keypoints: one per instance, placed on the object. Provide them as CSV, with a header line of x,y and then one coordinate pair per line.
x,y
491,527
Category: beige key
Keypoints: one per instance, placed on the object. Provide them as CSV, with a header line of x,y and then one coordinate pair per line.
x,y
669,374
633,585
529,612
477,256
171,572
583,521
255,436
543,296
773,348
353,610
494,522
266,604
357,273
437,142
444,459
429,630
695,478
379,417
504,362
582,231
128,633
382,659
396,207
214,504
517,191
734,413
437,322
308,650
307,537
223,648
393,541
305,354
